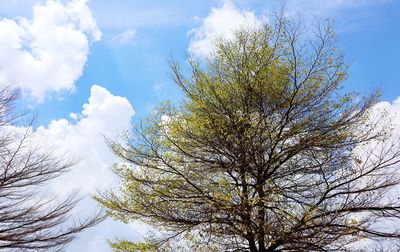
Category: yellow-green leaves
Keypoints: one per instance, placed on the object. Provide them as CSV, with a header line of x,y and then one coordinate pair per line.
x,y
126,246
259,152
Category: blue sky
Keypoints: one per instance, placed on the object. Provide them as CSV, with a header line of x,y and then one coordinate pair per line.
x,y
112,56
137,69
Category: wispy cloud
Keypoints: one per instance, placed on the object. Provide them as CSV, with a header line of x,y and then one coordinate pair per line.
x,y
326,7
158,87
120,14
126,37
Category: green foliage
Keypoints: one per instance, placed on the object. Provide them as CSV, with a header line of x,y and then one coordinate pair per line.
x,y
126,246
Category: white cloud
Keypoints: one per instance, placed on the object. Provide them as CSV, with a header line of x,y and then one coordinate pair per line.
x,y
221,22
126,37
388,114
103,114
385,118
74,116
48,52
83,139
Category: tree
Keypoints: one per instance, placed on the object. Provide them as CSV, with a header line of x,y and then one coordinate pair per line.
x,y
265,153
29,220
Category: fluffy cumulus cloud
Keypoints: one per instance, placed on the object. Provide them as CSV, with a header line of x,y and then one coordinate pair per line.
x,y
48,52
221,22
103,115
385,116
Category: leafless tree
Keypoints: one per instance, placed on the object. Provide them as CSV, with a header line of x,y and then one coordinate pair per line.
x,y
31,220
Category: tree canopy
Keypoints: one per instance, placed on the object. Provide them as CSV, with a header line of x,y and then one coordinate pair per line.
x,y
265,153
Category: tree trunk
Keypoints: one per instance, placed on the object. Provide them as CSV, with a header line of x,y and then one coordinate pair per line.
x,y
252,245
261,219
273,247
